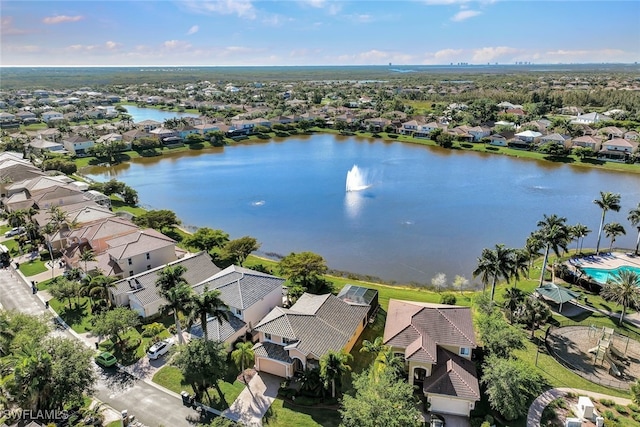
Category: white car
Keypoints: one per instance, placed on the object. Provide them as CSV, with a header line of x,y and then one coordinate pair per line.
x,y
158,349
14,232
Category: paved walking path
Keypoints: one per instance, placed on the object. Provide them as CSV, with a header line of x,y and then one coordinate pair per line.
x,y
541,402
254,401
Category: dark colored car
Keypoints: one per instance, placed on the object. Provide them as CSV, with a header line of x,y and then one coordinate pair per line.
x,y
436,421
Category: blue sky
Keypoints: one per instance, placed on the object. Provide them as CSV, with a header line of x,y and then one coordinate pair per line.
x,y
316,32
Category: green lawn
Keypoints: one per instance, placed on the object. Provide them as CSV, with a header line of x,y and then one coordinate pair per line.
x,y
171,378
78,317
285,414
32,268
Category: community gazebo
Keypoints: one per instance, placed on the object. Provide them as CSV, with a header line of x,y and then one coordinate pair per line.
x,y
557,294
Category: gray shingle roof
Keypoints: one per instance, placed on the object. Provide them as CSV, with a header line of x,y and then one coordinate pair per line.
x,y
271,351
219,331
241,287
453,376
199,267
319,323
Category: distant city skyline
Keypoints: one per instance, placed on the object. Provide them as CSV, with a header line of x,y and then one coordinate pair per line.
x,y
317,32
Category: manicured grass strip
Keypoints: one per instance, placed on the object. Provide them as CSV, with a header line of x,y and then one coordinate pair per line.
x,y
32,268
284,414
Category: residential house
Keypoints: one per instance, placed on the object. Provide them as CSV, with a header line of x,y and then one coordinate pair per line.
x,y
148,125
140,293
436,342
133,253
587,141
78,145
589,118
497,140
50,116
27,117
632,135
292,339
7,118
134,134
610,132
250,295
57,195
555,138
40,146
529,136
98,197
617,149
163,133
408,128
377,124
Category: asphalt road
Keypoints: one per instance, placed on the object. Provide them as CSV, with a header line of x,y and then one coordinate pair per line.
x,y
149,405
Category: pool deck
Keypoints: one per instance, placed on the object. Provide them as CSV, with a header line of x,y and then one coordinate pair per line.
x,y
607,261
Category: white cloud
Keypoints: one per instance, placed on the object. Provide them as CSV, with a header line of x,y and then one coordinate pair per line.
x,y
7,28
464,15
176,44
242,8
59,19
111,45
490,54
332,7
193,30
447,54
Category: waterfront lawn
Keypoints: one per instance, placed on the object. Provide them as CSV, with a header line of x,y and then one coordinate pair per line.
x,y
171,378
118,205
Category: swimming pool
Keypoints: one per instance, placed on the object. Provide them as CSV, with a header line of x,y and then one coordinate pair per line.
x,y
601,275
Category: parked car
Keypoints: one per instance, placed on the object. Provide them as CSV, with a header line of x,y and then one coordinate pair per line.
x,y
436,421
14,232
158,349
106,359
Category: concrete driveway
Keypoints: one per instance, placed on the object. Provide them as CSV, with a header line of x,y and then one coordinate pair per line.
x,y
254,401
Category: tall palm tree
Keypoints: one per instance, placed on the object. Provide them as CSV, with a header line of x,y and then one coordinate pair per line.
x,y
333,365
86,256
178,299
554,233
513,299
579,232
533,246
387,360
634,218
534,313
99,286
205,305
623,289
520,264
170,277
612,230
494,265
243,356
607,201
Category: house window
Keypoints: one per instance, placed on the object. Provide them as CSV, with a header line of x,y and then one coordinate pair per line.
x,y
267,336
129,261
131,273
149,267
400,355
464,351
237,311
148,255
287,340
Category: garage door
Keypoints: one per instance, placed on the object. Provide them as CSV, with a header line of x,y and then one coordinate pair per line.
x,y
272,367
448,405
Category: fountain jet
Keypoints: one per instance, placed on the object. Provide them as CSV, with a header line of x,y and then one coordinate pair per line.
x,y
356,180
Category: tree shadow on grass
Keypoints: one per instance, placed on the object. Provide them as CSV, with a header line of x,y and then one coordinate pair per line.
x,y
559,159
196,146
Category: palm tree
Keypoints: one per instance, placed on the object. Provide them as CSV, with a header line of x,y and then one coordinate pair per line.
x,y
387,360
612,230
374,347
607,201
99,285
623,289
243,356
533,246
178,299
86,256
513,298
554,233
579,232
170,277
493,265
333,365
534,313
206,304
634,218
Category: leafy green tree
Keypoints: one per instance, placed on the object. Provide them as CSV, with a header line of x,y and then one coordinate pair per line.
x,y
206,239
116,322
207,304
203,364
157,219
388,402
511,386
554,233
62,289
623,289
130,196
498,336
238,250
583,152
612,230
635,392
373,347
72,373
634,218
387,361
333,366
243,356
303,269
607,202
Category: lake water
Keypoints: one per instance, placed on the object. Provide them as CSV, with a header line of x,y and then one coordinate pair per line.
x,y
426,210
139,114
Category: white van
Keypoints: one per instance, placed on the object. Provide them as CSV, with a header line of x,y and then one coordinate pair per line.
x,y
158,349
